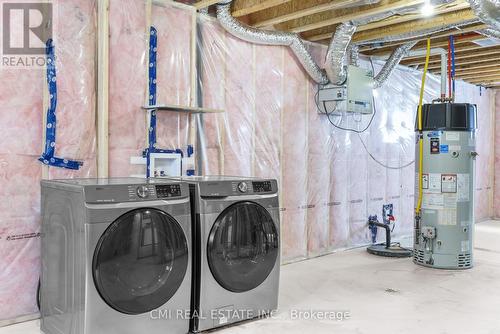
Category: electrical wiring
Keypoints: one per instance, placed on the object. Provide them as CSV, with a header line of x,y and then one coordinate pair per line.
x,y
381,163
329,113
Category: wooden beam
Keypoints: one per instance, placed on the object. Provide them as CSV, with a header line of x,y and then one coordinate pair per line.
x,y
441,21
485,80
470,71
421,45
407,18
489,52
457,52
309,23
451,32
480,76
246,7
474,60
103,88
205,3
313,9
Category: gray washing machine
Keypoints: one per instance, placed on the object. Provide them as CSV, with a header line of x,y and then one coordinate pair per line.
x,y
236,250
115,256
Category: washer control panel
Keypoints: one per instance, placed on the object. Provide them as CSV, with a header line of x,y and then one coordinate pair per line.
x,y
238,188
135,192
168,190
262,186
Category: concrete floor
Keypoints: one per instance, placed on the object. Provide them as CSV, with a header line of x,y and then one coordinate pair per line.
x,y
382,295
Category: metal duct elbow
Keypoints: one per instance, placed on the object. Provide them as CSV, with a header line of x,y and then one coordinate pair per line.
x,y
488,11
266,37
335,57
391,63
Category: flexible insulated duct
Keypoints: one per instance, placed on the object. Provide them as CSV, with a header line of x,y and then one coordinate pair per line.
x,y
418,33
354,55
488,11
391,63
267,37
335,56
491,33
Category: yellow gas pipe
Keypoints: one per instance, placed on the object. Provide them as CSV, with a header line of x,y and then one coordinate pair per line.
x,y
420,135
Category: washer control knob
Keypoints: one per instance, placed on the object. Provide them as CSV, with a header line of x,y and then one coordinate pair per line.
x,y
243,187
142,191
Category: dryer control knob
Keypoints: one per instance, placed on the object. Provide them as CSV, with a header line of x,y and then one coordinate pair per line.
x,y
142,191
243,187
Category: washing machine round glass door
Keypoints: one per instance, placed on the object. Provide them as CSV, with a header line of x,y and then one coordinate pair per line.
x,y
140,261
243,246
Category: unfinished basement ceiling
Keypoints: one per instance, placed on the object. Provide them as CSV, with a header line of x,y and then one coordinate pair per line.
x,y
317,20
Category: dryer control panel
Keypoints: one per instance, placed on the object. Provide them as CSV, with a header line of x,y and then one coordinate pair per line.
x,y
135,192
238,188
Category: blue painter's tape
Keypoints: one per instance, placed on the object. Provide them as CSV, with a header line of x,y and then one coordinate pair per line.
x,y
443,148
47,156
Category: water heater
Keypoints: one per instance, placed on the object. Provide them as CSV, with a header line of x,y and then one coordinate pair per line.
x,y
444,228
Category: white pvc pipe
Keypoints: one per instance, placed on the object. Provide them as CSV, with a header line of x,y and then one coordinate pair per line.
x,y
436,51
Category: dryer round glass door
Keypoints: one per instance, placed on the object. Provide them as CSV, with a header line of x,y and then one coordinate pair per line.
x,y
243,246
140,261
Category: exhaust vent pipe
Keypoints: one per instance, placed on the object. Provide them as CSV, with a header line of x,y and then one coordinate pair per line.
x,y
268,37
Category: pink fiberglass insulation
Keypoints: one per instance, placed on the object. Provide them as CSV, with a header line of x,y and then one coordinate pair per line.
x,y
213,76
75,49
268,109
173,73
484,180
22,97
240,108
294,150
320,153
127,85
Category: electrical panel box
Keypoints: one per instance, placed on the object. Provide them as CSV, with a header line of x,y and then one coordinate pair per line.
x,y
359,90
355,96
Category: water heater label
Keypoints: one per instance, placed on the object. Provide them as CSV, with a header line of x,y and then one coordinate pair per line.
x,y
463,187
452,136
425,181
434,145
449,183
447,217
435,182
433,201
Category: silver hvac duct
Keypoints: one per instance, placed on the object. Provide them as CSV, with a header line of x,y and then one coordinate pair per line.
x,y
335,56
418,34
354,55
399,53
339,43
488,11
491,33
267,37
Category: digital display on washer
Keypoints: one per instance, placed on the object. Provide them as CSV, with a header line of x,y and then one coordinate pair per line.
x,y
262,187
168,190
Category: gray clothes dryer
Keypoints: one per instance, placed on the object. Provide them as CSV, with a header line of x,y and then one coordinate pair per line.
x,y
236,250
115,256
